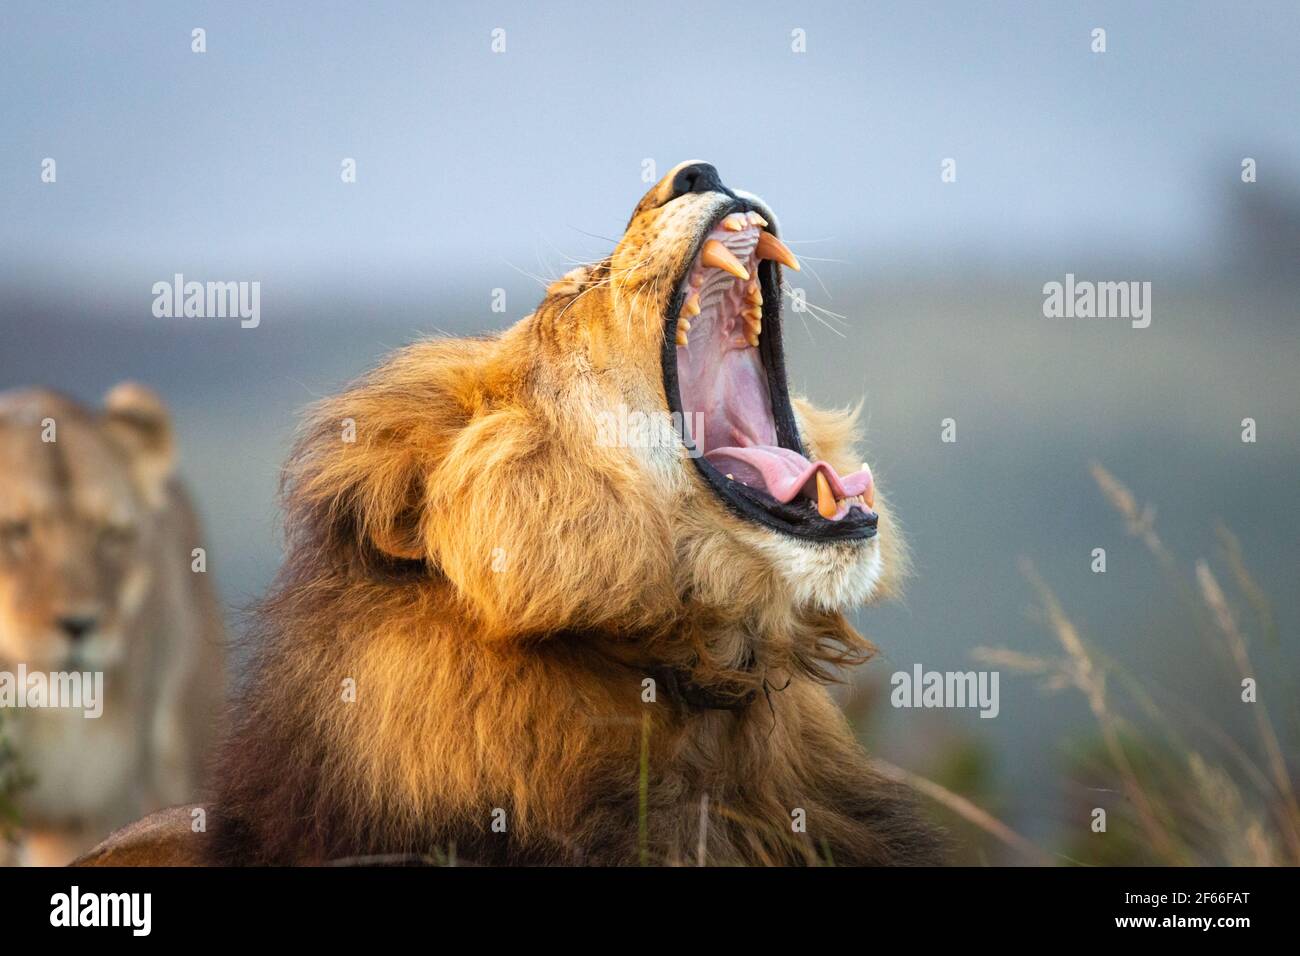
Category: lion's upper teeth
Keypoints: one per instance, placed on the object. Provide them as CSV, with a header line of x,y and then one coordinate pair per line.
x,y
770,247
722,289
715,255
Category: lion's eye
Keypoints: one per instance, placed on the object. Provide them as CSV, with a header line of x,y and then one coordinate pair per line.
x,y
116,536
15,531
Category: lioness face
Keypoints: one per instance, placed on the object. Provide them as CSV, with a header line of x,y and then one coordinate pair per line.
x,y
701,266
73,535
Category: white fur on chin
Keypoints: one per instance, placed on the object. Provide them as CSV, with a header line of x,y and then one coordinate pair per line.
x,y
825,576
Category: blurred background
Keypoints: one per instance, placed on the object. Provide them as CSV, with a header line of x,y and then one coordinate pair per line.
x,y
481,170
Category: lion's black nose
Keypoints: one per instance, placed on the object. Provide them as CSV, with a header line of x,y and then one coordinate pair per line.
x,y
697,178
76,627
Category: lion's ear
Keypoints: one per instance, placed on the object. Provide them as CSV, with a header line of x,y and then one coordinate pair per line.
x,y
138,420
397,545
366,493
400,536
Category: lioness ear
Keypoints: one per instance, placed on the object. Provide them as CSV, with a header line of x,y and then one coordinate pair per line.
x,y
138,419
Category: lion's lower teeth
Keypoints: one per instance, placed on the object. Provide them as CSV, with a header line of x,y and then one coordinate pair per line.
x,y
826,504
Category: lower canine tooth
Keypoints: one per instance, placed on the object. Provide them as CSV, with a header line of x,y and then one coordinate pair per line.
x,y
869,496
826,506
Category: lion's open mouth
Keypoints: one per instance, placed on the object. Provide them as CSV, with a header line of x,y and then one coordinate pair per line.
x,y
724,373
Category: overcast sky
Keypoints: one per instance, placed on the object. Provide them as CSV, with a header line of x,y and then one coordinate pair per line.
x,y
228,161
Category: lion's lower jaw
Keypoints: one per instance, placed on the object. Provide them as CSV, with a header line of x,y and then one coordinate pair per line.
x,y
825,576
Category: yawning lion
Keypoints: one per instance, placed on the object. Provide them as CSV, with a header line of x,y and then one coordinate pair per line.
x,y
510,633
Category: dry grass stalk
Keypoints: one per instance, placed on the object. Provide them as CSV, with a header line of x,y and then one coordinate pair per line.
x,y
1255,594
1090,680
1223,810
1236,643
1139,521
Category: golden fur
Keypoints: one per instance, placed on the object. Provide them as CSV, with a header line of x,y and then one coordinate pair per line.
x,y
95,526
497,588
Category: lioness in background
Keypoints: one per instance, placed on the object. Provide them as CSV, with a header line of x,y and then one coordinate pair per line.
x,y
96,536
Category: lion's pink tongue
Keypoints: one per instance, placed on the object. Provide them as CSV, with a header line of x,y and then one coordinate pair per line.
x,y
786,474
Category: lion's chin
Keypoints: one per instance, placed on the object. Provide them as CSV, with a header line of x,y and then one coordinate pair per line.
x,y
825,576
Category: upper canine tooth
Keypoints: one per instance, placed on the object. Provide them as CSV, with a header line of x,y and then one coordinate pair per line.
x,y
717,256
691,308
826,506
770,247
735,222
756,220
